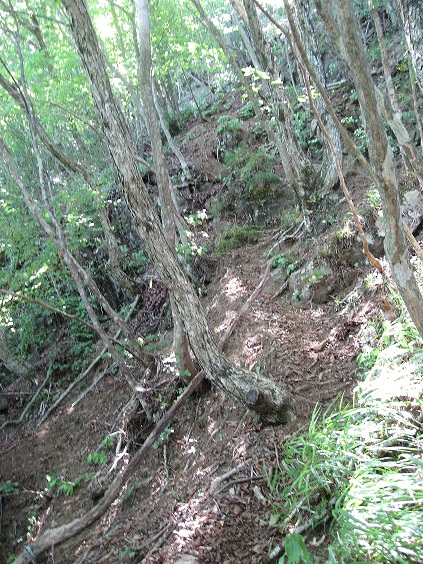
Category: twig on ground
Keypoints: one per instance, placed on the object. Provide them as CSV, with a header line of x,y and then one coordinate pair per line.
x,y
246,306
93,385
239,481
217,481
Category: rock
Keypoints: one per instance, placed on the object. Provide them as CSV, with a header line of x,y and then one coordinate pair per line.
x,y
310,283
187,559
412,209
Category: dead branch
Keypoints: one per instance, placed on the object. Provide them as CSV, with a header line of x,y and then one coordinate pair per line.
x,y
87,371
60,534
217,481
31,402
246,306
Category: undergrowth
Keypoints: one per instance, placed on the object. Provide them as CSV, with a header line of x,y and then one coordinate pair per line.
x,y
356,471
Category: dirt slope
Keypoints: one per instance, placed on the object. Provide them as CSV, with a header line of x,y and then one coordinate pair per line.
x,y
178,502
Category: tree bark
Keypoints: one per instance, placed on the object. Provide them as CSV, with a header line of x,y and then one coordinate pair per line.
x,y
328,174
340,19
391,110
234,380
412,18
184,362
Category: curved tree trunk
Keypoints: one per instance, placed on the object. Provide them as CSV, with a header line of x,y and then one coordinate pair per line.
x,y
253,390
340,19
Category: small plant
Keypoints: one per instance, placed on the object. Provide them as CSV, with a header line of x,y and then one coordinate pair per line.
x,y
296,551
97,458
314,276
65,487
285,262
8,487
197,218
190,249
164,437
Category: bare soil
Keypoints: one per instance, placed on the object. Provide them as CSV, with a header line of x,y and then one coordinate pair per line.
x,y
203,491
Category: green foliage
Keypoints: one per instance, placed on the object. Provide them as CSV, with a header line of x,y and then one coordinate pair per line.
x,y
226,125
301,123
8,487
285,262
295,551
97,458
360,466
237,237
164,437
397,338
66,487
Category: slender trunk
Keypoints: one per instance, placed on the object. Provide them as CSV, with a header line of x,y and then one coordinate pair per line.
x,y
167,202
345,31
412,17
272,402
391,110
328,174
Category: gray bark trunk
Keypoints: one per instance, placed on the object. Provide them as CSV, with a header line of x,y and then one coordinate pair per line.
x,y
345,31
275,403
180,342
412,18
328,174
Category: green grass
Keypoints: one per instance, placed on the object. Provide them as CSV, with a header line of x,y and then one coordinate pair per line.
x,y
358,469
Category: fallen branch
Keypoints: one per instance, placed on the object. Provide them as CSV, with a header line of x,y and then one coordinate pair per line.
x,y
57,535
217,481
86,372
31,402
246,306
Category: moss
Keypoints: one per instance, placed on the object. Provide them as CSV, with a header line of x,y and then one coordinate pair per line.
x,y
237,237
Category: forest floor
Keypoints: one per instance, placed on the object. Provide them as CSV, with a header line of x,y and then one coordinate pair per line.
x,y
203,493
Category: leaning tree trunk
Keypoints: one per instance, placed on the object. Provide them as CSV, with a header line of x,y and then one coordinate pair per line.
x,y
344,28
253,390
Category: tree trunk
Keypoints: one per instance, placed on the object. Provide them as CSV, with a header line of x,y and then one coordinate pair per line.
x,y
180,342
344,28
412,18
300,166
391,110
238,382
328,174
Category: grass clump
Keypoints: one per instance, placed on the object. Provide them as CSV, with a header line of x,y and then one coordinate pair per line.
x,y
238,236
357,469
